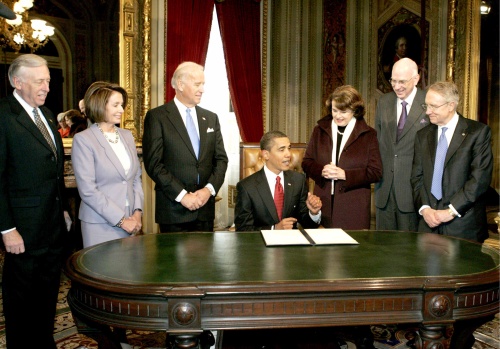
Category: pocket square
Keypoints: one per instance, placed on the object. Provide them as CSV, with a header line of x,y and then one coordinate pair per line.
x,y
210,130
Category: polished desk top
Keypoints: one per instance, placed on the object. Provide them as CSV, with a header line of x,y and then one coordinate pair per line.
x,y
229,258
414,277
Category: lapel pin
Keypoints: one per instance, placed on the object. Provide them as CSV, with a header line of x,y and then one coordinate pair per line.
x,y
203,118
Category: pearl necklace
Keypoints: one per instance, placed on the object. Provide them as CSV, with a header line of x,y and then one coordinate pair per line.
x,y
117,136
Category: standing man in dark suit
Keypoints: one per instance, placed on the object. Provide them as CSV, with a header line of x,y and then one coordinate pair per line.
x,y
32,221
452,168
184,155
398,118
256,206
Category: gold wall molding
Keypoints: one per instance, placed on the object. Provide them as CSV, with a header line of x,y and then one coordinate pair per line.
x,y
450,57
467,53
128,30
146,67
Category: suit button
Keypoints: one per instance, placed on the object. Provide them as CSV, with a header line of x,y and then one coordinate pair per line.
x,y
396,156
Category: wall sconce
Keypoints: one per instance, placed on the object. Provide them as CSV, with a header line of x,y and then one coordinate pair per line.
x,y
485,7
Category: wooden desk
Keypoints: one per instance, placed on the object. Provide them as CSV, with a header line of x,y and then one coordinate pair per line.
x,y
186,283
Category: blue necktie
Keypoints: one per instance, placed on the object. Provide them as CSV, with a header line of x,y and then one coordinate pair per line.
x,y
402,119
193,135
437,176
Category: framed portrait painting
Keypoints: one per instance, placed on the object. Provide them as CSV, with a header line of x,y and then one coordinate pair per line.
x,y
399,37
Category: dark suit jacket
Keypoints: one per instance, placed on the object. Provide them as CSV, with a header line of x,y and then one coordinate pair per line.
x,y
31,178
171,163
467,176
255,208
397,156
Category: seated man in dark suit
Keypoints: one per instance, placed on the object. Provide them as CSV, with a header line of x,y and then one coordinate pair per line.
x,y
275,197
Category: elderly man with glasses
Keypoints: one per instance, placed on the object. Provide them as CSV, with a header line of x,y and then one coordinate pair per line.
x,y
398,118
452,168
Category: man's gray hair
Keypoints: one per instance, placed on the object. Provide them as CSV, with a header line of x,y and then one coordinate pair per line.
x,y
29,61
183,71
447,89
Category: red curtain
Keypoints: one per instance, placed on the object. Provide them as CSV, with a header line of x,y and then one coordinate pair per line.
x,y
187,35
239,22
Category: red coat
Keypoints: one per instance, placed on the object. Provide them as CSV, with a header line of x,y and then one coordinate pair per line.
x,y
360,159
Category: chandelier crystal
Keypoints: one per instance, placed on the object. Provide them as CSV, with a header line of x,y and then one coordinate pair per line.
x,y
23,31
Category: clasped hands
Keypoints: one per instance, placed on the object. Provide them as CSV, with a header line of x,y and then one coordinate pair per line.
x,y
434,218
313,203
193,201
330,171
133,224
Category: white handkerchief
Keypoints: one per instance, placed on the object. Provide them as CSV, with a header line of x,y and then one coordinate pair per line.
x,y
210,130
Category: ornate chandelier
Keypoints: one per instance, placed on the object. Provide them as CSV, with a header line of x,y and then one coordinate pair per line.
x,y
22,31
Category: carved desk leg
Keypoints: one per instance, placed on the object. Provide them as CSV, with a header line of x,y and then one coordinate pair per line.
x,y
182,341
434,337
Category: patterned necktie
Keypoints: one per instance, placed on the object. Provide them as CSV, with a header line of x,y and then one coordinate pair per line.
x,y
402,119
44,131
279,197
193,135
437,176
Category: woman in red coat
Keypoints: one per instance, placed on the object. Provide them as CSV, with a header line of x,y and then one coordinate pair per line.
x,y
343,159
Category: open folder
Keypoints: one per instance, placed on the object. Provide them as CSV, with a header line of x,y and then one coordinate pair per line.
x,y
308,237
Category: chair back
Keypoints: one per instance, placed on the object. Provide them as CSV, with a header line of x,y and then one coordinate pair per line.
x,y
251,160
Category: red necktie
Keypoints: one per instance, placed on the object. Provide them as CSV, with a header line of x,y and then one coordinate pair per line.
x,y
279,197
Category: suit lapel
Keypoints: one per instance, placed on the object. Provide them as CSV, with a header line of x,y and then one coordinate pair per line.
x,y
412,118
432,143
393,121
175,119
110,154
53,129
289,189
457,139
264,191
24,119
202,127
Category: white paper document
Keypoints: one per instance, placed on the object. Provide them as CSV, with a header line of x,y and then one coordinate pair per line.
x,y
315,237
331,237
284,237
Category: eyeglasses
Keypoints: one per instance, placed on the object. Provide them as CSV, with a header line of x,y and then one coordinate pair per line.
x,y
432,107
401,82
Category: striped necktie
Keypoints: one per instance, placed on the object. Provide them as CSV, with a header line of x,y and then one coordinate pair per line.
x,y
44,131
